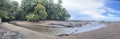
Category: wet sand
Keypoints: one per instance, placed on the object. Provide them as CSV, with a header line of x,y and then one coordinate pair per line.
x,y
112,31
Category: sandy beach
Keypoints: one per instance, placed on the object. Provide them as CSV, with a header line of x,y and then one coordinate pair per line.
x,y
112,31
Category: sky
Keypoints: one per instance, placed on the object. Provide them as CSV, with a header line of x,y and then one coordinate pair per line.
x,y
107,10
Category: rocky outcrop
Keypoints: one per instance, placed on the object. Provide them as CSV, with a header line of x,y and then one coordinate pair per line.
x,y
9,34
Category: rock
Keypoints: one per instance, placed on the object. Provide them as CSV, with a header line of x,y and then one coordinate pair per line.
x,y
70,26
12,35
5,33
64,35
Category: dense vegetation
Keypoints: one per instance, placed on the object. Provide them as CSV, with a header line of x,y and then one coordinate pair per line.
x,y
32,10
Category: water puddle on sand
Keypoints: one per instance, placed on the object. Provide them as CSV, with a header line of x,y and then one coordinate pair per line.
x,y
73,30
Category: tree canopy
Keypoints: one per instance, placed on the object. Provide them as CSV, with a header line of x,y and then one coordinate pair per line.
x,y
5,9
33,10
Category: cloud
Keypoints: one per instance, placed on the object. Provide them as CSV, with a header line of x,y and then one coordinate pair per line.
x,y
90,10
82,4
112,14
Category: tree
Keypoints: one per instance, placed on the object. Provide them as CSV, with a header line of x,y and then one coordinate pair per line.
x,y
55,11
20,15
15,5
64,14
32,17
38,14
5,5
28,6
33,10
3,14
12,14
40,10
5,9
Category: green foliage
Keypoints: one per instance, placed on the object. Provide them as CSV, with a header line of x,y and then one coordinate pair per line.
x,y
64,14
32,17
39,14
3,14
56,11
33,10
40,10
12,15
5,9
20,14
5,6
15,5
28,6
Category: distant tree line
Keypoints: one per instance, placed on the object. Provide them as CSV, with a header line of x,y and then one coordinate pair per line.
x,y
32,10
